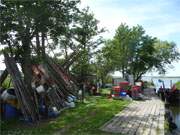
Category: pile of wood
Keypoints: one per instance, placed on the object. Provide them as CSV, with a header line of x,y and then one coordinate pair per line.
x,y
26,97
68,62
59,86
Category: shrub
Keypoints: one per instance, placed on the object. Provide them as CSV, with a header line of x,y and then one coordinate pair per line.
x,y
178,85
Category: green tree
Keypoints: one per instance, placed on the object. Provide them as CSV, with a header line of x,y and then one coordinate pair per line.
x,y
143,58
23,22
102,69
86,33
133,52
165,53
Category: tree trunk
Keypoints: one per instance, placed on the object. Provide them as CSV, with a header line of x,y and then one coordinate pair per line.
x,y
38,48
26,62
123,71
134,79
65,49
43,45
83,84
139,76
102,80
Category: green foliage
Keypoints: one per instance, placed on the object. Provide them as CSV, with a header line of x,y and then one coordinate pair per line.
x,y
165,53
166,126
7,83
178,85
84,32
35,20
108,79
132,51
105,91
148,84
103,67
32,29
86,118
27,27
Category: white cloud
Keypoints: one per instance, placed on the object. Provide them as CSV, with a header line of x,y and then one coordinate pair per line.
x,y
159,18
153,14
164,30
175,71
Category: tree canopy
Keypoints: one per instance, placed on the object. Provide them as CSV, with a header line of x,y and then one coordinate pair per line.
x,y
32,29
131,51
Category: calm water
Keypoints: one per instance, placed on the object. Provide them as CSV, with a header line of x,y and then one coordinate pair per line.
x,y
176,115
168,81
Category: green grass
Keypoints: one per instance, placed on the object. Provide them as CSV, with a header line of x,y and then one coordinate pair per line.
x,y
166,126
85,119
105,91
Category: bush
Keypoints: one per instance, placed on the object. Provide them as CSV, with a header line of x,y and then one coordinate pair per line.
x,y
178,85
148,84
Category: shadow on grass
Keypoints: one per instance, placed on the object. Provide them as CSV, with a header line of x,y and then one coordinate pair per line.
x,y
85,118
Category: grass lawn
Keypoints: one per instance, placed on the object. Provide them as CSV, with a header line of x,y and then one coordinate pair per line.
x,y
84,119
105,91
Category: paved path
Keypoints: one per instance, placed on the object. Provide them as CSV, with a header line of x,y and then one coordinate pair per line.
x,y
139,118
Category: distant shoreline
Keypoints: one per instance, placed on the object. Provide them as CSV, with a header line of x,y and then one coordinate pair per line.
x,y
162,76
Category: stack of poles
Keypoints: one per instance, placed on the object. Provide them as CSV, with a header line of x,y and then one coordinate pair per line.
x,y
24,95
61,86
59,77
68,62
27,98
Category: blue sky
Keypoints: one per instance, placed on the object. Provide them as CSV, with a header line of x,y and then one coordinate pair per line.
x,y
160,18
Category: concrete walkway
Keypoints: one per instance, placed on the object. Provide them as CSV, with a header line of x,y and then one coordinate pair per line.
x,y
139,118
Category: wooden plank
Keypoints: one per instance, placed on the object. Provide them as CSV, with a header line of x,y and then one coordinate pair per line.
x,y
122,117
148,122
140,121
133,120
144,113
148,129
121,125
154,124
161,119
110,125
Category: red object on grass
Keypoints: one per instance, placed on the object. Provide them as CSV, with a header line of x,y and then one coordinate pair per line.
x,y
116,88
116,95
137,88
115,91
124,83
173,88
124,86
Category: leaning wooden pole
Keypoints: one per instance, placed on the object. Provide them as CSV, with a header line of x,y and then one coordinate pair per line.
x,y
25,99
